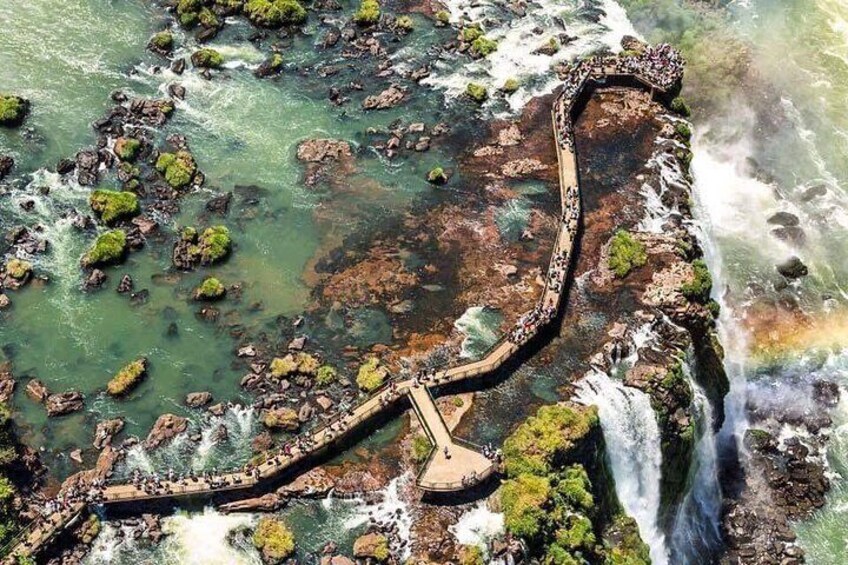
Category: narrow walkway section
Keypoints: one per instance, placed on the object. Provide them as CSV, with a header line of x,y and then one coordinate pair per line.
x,y
453,464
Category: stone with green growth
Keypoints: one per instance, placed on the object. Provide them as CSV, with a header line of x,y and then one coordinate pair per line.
x,y
683,131
510,85
437,175
109,248
326,375
421,448
624,545
483,46
274,540
698,289
368,13
207,18
214,245
127,378
470,33
404,24
282,367
113,206
275,13
443,17
162,42
210,289
13,110
477,92
126,148
207,58
178,168
625,253
307,364
19,269
680,106
470,555
371,375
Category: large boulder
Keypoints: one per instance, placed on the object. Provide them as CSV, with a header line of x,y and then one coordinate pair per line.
x,y
371,546
6,164
63,403
281,419
792,268
318,150
106,430
167,427
389,98
37,390
198,399
314,483
266,503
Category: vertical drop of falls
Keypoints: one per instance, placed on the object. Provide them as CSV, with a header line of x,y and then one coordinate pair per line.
x,y
632,436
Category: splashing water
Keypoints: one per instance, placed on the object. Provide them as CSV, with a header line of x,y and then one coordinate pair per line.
x,y
478,526
480,326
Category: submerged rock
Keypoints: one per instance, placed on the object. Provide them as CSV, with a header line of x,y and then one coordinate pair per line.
x,y
64,403
37,390
320,150
792,268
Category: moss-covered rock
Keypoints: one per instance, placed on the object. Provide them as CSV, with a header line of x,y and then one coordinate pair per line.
x,y
162,42
282,367
699,287
483,46
275,13
404,24
274,540
442,17
477,92
368,13
471,32
421,448
109,248
510,85
178,168
437,175
371,375
623,544
112,206
470,555
374,546
273,65
281,419
210,289
126,148
208,18
326,375
307,364
13,110
127,378
625,253
207,58
680,106
523,500
214,245
19,269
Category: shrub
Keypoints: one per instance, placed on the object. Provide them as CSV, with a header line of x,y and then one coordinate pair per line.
x,y
698,289
273,539
625,253
404,23
210,289
113,206
443,17
208,18
575,489
680,106
457,401
421,448
307,364
127,378
162,41
178,168
207,58
368,13
510,85
187,12
12,110
470,33
282,367
483,46
523,499
326,375
683,131
477,92
371,375
275,13
437,176
108,248
214,245
629,549
18,269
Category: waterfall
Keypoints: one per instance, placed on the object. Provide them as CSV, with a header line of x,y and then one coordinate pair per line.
x,y
478,525
633,443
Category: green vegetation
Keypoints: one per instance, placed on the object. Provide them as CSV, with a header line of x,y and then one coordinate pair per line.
x,y
542,439
510,85
625,253
281,419
368,13
523,499
282,367
109,248
552,46
214,244
404,24
698,289
443,17
683,131
624,545
162,41
13,109
273,539
187,12
127,378
457,401
371,375
326,375
126,148
207,58
208,18
18,269
210,289
477,92
113,205
307,364
680,106
483,46
275,13
421,448
437,175
472,32
178,168
470,555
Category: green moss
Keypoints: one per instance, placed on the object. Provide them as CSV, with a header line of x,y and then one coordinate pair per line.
x,y
510,85
368,13
680,106
326,375
282,367
371,375
683,131
698,289
575,489
13,109
207,58
187,12
470,555
552,46
443,17
625,253
457,401
470,33
127,378
178,168
523,499
483,46
109,248
437,175
208,18
421,448
213,245
307,364
162,41
576,534
273,539
210,289
18,269
112,205
624,545
542,439
188,20
404,23
714,308
477,92
126,148
275,13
